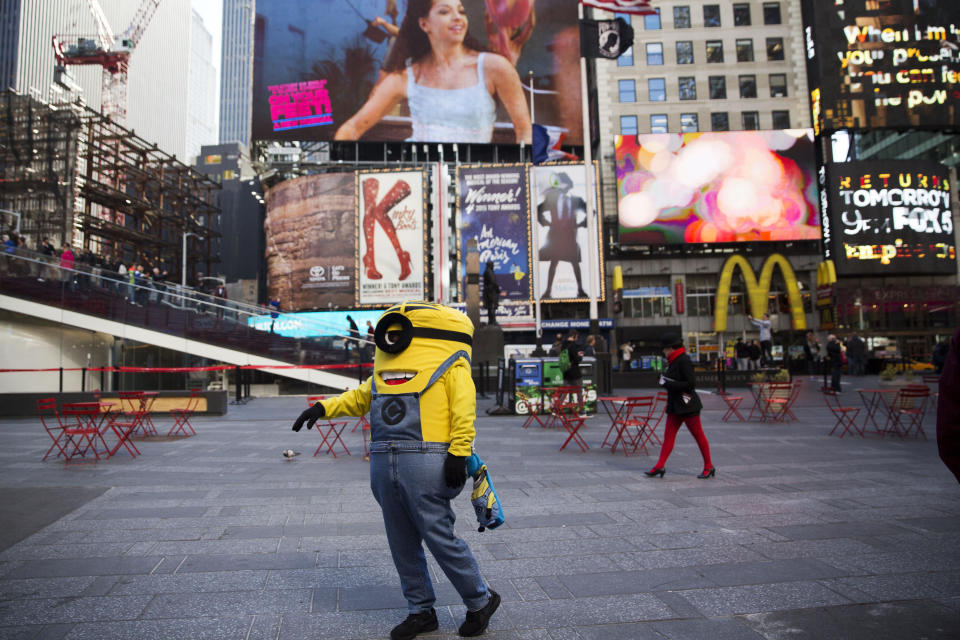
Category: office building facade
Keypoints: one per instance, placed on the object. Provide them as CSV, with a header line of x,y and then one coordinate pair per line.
x,y
236,71
201,111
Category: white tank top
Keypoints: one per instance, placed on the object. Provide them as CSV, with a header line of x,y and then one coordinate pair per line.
x,y
451,115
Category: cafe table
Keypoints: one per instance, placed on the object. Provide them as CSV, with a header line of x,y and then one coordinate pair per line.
x,y
878,401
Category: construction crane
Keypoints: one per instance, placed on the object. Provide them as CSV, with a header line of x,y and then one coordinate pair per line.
x,y
106,50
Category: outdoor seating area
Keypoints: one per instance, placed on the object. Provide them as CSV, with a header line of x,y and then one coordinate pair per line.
x,y
896,411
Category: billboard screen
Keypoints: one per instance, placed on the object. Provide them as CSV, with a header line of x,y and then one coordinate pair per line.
x,y
887,63
351,70
493,205
390,254
559,221
310,231
736,186
891,217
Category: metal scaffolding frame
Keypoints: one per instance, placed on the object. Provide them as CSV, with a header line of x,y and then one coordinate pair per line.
x,y
78,177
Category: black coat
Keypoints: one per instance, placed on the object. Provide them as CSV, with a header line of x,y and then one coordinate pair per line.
x,y
572,375
682,381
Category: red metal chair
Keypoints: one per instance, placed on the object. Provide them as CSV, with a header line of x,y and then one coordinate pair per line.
x,y
181,415
637,430
572,421
331,432
846,416
733,403
55,431
532,410
129,415
910,405
83,434
780,398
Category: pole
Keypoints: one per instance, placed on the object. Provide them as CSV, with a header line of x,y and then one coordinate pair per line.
x,y
591,213
183,269
535,267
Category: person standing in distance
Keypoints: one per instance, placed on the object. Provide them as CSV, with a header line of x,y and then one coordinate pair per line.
x,y
683,406
766,341
835,358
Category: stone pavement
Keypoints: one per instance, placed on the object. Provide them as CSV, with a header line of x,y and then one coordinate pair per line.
x,y
800,535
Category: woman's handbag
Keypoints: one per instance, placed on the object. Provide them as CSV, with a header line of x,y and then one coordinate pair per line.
x,y
689,404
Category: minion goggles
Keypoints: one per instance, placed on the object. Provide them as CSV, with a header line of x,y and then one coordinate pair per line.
x,y
394,332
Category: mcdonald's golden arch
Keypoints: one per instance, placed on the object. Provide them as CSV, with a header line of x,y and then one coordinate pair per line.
x,y
758,291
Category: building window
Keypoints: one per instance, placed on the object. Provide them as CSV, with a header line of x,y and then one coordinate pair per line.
x,y
714,50
626,59
748,86
774,48
628,90
771,13
720,121
654,53
781,119
681,17
718,87
628,125
751,120
651,21
688,123
745,50
658,89
711,15
778,85
688,88
685,52
741,14
658,123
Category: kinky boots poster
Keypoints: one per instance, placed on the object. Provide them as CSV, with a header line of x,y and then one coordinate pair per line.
x,y
391,236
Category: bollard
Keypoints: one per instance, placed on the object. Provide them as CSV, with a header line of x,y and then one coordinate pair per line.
x,y
83,379
238,380
61,379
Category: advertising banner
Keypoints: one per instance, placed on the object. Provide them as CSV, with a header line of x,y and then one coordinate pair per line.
x,y
891,217
736,186
493,204
392,235
559,222
310,231
352,70
894,63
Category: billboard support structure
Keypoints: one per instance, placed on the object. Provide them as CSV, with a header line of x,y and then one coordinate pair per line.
x,y
588,170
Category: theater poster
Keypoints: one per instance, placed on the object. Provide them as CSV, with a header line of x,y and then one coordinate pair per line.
x,y
493,203
559,228
391,238
311,250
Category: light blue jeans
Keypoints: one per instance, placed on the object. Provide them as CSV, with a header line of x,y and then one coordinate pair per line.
x,y
406,477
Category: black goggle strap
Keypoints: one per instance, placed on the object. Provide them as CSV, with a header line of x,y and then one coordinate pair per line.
x,y
442,334
444,366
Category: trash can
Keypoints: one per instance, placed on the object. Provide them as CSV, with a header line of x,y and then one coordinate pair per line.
x,y
528,380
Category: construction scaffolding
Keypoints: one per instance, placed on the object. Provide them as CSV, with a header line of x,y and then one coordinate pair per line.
x,y
77,177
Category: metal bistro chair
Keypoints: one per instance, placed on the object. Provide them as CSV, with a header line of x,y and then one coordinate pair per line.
x,y
532,410
181,415
330,431
637,430
846,416
47,410
910,406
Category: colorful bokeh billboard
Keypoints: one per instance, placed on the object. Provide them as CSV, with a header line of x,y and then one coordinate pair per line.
x,y
736,186
349,70
891,217
886,63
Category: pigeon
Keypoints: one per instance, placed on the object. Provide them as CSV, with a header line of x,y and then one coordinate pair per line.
x,y
289,453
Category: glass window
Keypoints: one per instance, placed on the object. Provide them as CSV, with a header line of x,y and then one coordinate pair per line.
x,y
688,88
651,21
741,14
628,90
745,50
658,123
658,89
684,52
654,53
688,123
774,48
626,58
781,119
778,85
748,86
711,15
714,50
681,17
718,87
628,125
720,121
771,13
751,120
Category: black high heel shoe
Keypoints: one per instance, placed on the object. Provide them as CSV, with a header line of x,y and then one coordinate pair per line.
x,y
708,474
653,473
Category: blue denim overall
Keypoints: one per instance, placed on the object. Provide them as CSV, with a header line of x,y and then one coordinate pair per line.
x,y
406,476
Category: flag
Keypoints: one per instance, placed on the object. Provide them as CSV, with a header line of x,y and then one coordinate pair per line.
x,y
605,38
546,144
636,7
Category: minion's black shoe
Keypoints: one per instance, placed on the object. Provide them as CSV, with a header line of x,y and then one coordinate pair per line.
x,y
477,621
416,623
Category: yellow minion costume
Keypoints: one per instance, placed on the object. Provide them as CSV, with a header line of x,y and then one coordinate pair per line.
x,y
422,405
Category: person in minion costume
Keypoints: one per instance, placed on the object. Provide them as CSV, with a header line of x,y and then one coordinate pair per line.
x,y
422,405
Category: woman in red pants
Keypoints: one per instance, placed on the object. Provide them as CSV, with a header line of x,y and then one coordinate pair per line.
x,y
683,405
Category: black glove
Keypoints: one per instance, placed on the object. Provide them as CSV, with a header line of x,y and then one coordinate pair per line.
x,y
455,470
311,415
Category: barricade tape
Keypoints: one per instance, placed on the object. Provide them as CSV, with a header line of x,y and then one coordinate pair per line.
x,y
218,367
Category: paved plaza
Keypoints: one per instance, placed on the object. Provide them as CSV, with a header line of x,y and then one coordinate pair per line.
x,y
800,535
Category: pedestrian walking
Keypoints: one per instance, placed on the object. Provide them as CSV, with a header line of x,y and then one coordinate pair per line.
x,y
683,406
572,376
856,355
742,350
274,305
835,360
811,352
67,261
626,350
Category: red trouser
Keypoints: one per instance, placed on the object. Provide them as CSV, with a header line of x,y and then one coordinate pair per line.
x,y
670,435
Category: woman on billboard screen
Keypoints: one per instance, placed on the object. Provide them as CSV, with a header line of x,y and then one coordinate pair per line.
x,y
449,82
